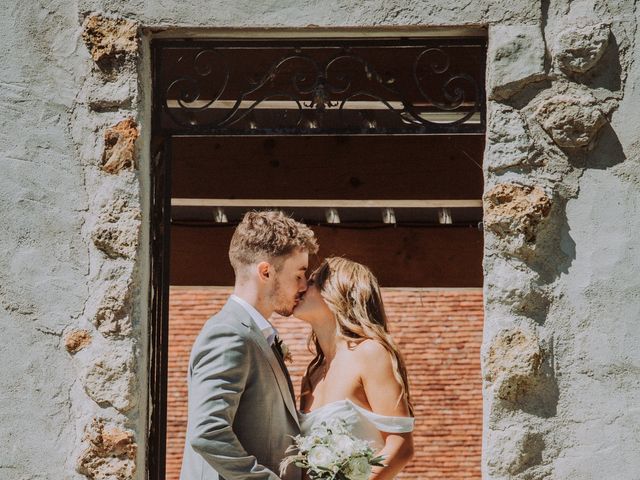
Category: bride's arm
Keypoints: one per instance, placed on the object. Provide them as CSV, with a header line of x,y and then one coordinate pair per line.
x,y
397,451
383,393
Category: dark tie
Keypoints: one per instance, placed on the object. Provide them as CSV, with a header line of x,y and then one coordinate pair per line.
x,y
275,346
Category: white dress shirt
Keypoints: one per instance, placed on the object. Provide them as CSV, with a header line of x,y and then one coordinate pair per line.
x,y
268,330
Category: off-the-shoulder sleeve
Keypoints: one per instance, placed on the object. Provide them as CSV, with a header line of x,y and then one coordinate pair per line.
x,y
386,423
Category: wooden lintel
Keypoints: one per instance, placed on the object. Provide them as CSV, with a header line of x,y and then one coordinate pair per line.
x,y
313,203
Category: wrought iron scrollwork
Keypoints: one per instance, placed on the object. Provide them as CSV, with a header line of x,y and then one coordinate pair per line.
x,y
200,99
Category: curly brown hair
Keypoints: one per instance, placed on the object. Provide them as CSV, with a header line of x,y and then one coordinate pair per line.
x,y
268,235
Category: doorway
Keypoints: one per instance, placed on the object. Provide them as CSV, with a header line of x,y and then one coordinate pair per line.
x,y
351,137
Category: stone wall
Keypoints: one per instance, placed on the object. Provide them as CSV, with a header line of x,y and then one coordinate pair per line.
x,y
73,274
560,355
558,360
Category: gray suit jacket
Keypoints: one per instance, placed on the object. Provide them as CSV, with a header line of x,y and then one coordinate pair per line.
x,y
241,414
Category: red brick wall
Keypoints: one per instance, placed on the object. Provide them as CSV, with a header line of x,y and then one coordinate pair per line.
x,y
439,333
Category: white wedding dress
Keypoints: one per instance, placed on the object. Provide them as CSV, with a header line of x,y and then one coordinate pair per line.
x,y
362,423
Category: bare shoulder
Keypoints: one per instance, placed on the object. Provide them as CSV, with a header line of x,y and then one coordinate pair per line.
x,y
372,355
377,375
370,349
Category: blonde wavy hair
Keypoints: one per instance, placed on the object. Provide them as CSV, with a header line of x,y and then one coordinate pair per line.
x,y
352,294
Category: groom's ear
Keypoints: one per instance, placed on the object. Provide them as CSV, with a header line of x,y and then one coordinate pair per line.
x,y
264,271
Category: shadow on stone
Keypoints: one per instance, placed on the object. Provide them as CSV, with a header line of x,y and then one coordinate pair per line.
x,y
111,41
520,450
535,306
541,395
541,401
520,368
528,93
531,228
555,249
112,67
607,152
606,73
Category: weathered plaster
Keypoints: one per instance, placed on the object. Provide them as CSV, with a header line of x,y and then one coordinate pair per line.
x,y
568,135
293,14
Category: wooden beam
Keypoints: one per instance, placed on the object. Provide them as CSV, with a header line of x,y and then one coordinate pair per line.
x,y
313,32
440,257
306,203
443,167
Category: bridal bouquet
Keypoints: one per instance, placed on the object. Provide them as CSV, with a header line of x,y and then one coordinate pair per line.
x,y
331,452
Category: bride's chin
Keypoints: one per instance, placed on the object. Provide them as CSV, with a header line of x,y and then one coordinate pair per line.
x,y
299,314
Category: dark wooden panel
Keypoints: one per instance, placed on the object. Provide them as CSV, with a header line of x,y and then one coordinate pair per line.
x,y
410,167
400,256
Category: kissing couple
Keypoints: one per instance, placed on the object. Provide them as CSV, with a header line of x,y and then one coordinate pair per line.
x,y
242,417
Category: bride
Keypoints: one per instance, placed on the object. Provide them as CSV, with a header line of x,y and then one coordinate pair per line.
x,y
358,373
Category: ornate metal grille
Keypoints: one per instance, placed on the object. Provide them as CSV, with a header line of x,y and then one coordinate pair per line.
x,y
320,87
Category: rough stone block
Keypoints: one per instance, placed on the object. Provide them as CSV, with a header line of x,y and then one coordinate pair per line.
x,y
511,209
118,229
76,340
516,286
579,48
515,58
101,94
113,314
513,363
120,146
571,118
109,380
111,452
514,451
109,38
107,93
509,143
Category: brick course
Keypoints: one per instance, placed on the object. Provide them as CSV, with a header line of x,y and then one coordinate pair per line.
x,y
439,333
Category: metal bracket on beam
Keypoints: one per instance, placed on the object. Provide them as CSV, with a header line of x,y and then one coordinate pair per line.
x,y
219,216
444,216
332,216
388,215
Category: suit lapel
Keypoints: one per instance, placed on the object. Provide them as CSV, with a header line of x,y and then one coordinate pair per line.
x,y
283,366
257,336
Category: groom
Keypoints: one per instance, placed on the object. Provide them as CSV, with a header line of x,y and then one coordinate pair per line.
x,y
241,408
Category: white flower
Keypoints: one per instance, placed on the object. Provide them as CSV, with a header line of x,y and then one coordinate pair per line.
x,y
306,443
321,456
286,353
358,468
331,450
336,426
343,444
362,447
